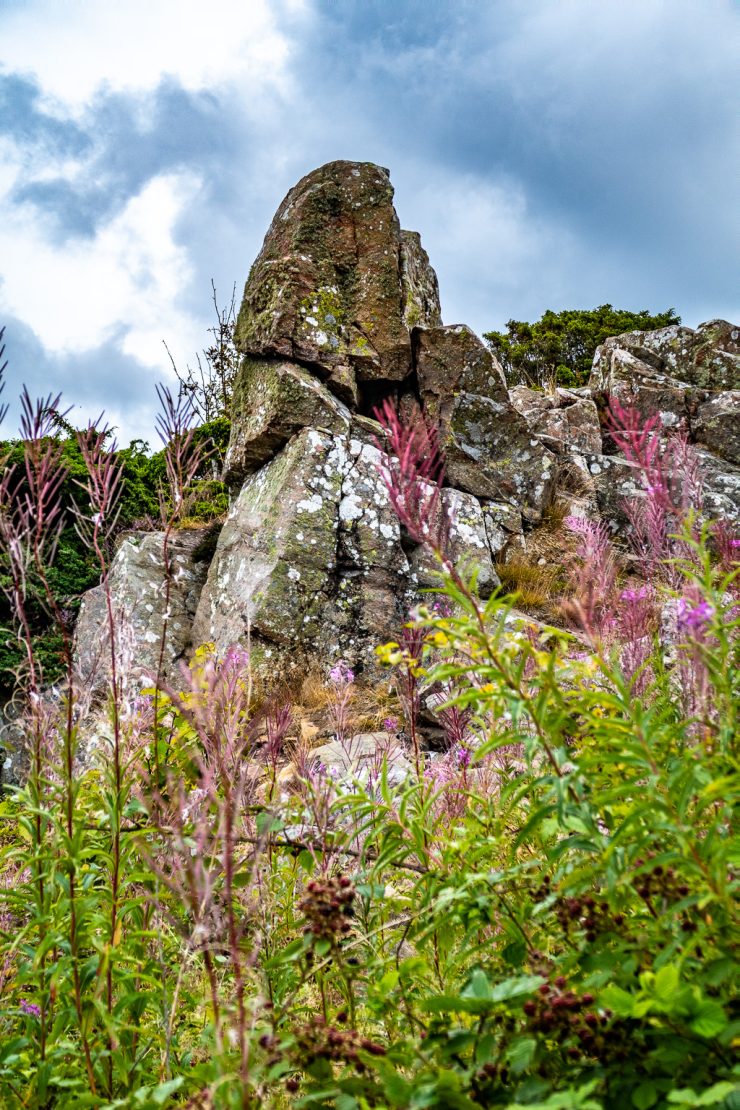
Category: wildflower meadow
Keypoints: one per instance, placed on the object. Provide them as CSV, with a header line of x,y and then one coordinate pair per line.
x,y
541,913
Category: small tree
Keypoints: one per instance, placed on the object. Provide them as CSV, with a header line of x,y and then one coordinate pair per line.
x,y
560,347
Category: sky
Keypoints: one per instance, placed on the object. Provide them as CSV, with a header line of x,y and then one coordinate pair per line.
x,y
552,154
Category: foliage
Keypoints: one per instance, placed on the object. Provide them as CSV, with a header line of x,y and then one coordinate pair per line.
x,y
559,348
74,569
543,916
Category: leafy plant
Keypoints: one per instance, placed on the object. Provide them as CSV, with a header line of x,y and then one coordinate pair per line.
x,y
560,346
543,915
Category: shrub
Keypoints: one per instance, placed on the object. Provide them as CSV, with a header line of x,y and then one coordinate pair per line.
x,y
559,348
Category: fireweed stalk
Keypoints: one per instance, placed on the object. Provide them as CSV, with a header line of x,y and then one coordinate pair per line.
x,y
413,471
201,833
103,489
672,483
32,524
183,461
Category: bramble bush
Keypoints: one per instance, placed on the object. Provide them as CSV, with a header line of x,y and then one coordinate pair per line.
x,y
543,915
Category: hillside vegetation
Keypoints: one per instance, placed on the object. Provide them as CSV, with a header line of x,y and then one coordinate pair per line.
x,y
542,914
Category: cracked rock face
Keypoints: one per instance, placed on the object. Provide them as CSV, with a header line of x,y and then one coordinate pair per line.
x,y
488,446
274,399
329,286
341,310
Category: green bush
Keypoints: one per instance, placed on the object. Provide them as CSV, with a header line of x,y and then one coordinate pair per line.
x,y
559,348
75,570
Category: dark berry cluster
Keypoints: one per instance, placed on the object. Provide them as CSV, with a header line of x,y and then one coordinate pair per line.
x,y
583,911
489,1078
318,1040
563,1014
659,887
327,907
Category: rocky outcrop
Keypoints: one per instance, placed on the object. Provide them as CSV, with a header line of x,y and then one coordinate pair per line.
x,y
153,611
488,447
690,380
566,419
334,282
340,310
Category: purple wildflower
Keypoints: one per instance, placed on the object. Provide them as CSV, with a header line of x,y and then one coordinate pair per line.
x,y
30,1008
442,607
694,617
390,724
463,755
342,674
635,595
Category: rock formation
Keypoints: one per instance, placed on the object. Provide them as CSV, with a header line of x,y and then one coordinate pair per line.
x,y
340,310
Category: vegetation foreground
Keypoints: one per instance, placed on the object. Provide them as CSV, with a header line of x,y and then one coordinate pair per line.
x,y
541,915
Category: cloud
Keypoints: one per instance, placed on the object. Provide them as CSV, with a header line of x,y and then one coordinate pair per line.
x,y
551,155
128,276
78,47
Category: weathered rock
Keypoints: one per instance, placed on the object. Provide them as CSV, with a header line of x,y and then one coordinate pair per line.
x,y
620,373
273,399
420,287
563,417
705,359
503,522
327,286
469,548
721,492
374,589
616,480
489,449
715,356
146,606
358,757
451,361
575,425
530,403
717,425
275,559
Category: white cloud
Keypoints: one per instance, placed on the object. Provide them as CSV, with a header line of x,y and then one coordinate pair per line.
x,y
126,280
77,46
485,242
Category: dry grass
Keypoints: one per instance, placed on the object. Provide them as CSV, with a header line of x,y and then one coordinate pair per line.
x,y
539,575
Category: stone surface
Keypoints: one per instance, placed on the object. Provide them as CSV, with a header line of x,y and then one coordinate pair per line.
x,y
374,588
705,359
341,309
717,425
327,287
273,399
275,559
562,417
489,448
141,597
470,547
419,284
359,757
453,360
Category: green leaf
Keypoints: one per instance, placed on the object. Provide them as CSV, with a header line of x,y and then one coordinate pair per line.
x,y
687,1096
665,984
645,1096
618,1000
708,1019
520,1054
